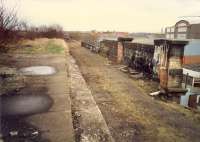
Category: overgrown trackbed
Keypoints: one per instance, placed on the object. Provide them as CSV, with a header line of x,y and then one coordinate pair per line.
x,y
131,115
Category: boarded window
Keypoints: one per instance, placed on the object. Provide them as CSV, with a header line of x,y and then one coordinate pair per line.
x,y
182,29
189,80
181,36
172,36
172,29
182,24
168,29
197,82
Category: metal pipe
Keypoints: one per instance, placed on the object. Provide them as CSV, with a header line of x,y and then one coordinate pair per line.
x,y
186,80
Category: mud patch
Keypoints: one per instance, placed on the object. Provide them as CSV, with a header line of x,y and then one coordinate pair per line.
x,y
10,80
15,130
38,70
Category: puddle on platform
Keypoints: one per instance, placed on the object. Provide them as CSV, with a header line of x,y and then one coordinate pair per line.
x,y
24,105
14,109
38,70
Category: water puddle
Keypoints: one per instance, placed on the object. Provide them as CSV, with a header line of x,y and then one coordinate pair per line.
x,y
38,70
14,110
24,105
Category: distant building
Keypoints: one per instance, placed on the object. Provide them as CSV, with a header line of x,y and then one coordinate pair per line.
x,y
191,68
184,29
189,30
192,52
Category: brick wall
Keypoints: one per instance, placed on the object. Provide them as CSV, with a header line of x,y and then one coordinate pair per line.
x,y
113,49
106,47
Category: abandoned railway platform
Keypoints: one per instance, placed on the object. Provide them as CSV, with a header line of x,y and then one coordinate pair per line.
x,y
87,97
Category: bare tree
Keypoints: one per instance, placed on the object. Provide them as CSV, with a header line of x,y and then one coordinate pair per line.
x,y
52,31
8,22
22,26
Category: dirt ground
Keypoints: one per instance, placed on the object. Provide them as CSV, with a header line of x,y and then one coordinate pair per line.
x,y
132,115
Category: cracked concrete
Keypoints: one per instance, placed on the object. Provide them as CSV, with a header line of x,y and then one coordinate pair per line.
x,y
89,123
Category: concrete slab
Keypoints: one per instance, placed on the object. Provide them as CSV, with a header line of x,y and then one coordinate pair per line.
x,y
58,136
57,123
51,121
61,103
89,123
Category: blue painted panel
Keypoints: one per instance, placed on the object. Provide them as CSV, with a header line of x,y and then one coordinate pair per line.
x,y
193,48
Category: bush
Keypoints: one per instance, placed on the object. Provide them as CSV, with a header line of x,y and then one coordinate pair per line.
x,y
8,23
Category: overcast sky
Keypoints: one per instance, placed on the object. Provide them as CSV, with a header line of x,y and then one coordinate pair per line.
x,y
118,15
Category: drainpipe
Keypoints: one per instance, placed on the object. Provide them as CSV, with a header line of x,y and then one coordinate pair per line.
x,y
186,80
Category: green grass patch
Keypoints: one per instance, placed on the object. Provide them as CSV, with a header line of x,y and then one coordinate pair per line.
x,y
54,48
48,47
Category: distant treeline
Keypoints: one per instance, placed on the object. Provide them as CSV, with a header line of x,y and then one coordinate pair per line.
x,y
13,29
52,31
83,36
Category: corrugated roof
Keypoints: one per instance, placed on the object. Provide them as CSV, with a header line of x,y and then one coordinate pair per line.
x,y
108,38
194,67
148,41
191,20
171,41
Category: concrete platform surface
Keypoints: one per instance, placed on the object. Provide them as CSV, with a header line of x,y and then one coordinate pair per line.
x,y
56,124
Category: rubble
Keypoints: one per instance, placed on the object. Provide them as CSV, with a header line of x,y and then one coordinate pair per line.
x,y
15,130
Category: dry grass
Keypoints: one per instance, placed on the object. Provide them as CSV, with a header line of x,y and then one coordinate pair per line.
x,y
41,46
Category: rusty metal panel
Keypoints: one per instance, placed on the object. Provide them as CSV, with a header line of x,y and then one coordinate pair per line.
x,y
191,59
163,75
119,52
192,101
